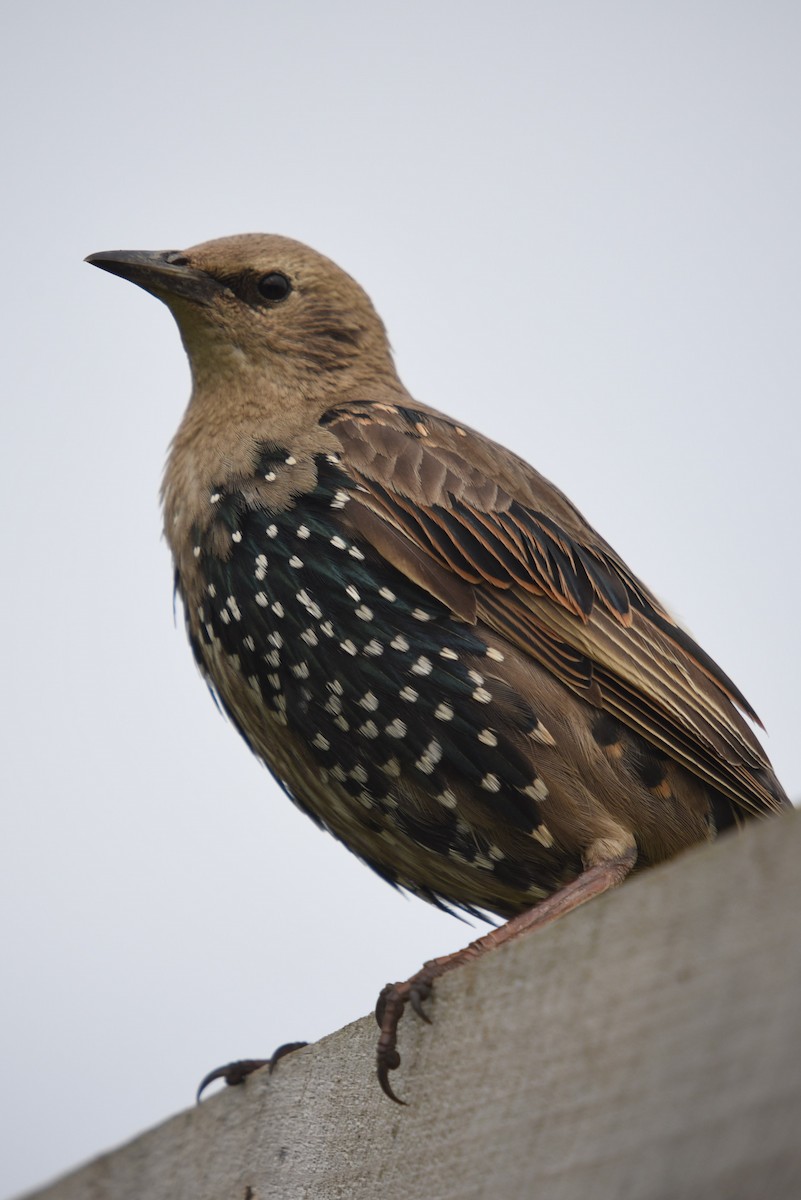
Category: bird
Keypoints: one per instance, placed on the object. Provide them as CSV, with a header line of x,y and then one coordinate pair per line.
x,y
437,657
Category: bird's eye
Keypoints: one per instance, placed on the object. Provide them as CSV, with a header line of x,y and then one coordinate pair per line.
x,y
274,286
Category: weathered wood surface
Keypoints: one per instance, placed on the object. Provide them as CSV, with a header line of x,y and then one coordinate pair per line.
x,y
648,1046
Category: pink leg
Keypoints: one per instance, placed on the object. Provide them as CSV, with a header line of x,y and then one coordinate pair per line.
x,y
395,996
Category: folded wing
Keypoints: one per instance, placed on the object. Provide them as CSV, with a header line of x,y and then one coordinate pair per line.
x,y
490,537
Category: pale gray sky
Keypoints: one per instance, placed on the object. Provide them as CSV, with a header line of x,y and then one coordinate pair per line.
x,y
580,222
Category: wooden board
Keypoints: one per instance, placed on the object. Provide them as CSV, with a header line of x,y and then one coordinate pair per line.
x,y
648,1046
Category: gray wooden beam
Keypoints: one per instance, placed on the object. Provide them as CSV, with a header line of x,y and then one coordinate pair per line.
x,y
647,1046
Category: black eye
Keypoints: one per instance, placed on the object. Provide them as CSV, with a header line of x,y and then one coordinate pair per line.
x,y
274,286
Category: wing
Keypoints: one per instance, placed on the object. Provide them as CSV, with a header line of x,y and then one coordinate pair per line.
x,y
489,536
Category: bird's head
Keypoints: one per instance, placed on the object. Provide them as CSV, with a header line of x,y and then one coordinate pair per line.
x,y
265,309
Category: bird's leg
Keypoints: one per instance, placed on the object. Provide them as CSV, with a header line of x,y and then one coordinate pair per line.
x,y
235,1073
595,880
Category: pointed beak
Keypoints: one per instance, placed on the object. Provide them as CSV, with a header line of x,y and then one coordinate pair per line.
x,y
163,273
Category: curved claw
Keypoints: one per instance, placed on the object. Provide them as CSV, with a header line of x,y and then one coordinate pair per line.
x,y
233,1073
389,1062
281,1052
419,992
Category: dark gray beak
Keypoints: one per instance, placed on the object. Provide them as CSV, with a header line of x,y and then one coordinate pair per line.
x,y
163,273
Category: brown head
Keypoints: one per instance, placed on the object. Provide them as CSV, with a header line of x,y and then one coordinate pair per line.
x,y
265,312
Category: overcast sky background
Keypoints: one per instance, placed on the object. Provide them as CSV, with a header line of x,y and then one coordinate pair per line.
x,y
580,222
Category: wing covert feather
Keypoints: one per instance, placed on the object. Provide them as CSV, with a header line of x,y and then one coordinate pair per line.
x,y
514,551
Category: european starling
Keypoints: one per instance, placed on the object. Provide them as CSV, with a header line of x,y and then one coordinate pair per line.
x,y
437,657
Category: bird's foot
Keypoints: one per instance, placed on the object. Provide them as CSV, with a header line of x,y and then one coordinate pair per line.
x,y
597,878
235,1073
388,1012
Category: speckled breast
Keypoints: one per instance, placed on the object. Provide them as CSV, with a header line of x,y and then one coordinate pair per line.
x,y
381,714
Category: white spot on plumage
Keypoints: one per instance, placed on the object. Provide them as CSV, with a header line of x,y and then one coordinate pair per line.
x,y
392,768
275,639
211,589
387,594
321,742
369,729
300,670
356,553
536,790
444,711
270,476
249,643
196,551
488,737
342,723
339,543
373,648
261,566
399,642
358,774
364,613
408,693
420,614
482,695
422,666
494,654
351,591
273,658
327,628
396,728
430,757
369,701
340,499
295,562
225,616
215,498
311,606
277,608
304,533
447,798
349,647
310,637
290,460
236,536
446,652
491,783
540,734
272,531
543,835
234,607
